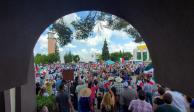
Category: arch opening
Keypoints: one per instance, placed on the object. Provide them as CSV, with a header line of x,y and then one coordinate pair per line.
x,y
83,35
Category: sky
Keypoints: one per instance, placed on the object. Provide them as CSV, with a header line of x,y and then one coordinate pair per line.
x,y
86,49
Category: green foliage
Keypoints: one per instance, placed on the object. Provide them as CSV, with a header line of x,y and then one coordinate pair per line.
x,y
45,59
41,59
132,31
76,58
119,24
84,27
53,57
49,102
69,58
63,31
115,56
105,51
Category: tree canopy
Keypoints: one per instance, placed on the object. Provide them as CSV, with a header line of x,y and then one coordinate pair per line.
x,y
115,56
105,51
46,59
69,58
83,27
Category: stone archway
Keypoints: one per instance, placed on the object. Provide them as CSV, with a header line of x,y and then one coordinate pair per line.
x,y
165,26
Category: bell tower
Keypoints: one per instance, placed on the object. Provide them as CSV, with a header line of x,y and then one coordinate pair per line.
x,y
51,42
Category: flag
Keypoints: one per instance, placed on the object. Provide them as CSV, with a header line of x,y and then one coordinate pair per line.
x,y
122,60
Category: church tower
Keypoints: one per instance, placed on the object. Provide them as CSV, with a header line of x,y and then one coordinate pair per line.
x,y
52,43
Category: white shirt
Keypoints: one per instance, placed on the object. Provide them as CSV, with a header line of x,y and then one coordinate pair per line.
x,y
178,101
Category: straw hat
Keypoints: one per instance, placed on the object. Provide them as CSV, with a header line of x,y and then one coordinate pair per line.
x,y
86,92
118,79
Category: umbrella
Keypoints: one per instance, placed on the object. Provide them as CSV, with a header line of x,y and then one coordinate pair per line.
x,y
109,62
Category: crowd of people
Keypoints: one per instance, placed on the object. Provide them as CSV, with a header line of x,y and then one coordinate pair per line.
x,y
120,87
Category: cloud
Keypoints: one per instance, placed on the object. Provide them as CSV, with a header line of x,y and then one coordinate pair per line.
x,y
43,41
120,34
70,46
126,47
42,44
94,50
68,19
83,50
87,55
101,34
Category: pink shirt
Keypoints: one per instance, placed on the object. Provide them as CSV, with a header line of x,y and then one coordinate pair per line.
x,y
93,89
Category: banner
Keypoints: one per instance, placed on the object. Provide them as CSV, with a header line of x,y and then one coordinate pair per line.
x,y
68,74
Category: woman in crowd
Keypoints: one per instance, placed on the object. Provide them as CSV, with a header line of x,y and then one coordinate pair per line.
x,y
107,104
84,104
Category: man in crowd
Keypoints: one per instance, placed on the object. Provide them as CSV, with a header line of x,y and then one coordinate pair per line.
x,y
64,101
127,95
140,105
167,107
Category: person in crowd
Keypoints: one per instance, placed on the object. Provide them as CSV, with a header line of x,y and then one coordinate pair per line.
x,y
116,99
44,109
74,95
79,87
100,92
118,85
43,92
148,89
140,105
167,106
38,88
188,100
54,88
178,100
84,104
64,101
158,100
107,104
93,94
58,82
127,95
48,85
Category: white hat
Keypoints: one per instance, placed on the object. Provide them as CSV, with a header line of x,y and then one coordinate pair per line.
x,y
118,79
111,78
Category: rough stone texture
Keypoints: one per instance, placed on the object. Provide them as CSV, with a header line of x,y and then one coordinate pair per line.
x,y
166,26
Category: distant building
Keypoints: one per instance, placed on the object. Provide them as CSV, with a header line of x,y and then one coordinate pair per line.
x,y
141,53
52,43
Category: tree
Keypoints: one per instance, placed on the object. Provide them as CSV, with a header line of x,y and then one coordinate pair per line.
x,y
63,31
53,57
37,59
45,59
84,27
105,51
115,56
76,58
127,55
68,58
41,59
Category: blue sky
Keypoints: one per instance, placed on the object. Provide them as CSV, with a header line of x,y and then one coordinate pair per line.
x,y
117,40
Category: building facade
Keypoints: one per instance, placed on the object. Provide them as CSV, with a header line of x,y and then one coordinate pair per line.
x,y
141,53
